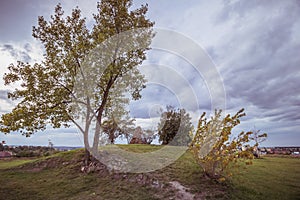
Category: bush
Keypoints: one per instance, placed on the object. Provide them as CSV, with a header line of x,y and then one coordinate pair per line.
x,y
214,150
26,153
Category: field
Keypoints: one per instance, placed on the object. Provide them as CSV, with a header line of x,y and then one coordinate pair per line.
x,y
59,177
269,178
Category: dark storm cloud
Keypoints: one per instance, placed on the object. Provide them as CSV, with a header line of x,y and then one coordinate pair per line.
x,y
263,67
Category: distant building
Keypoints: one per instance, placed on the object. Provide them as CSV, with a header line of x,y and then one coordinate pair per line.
x,y
5,154
137,136
280,150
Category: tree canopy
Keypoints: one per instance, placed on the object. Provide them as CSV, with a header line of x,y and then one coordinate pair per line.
x,y
174,127
118,126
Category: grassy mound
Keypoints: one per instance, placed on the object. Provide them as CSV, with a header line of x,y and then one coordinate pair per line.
x,y
60,177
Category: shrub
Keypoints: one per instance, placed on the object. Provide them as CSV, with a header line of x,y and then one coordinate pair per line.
x,y
213,148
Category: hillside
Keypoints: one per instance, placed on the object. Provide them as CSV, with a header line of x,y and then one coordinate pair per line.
x,y
60,177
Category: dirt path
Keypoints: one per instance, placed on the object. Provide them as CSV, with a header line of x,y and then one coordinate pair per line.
x,y
182,192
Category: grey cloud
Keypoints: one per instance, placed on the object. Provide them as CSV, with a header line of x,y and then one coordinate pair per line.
x,y
153,96
288,114
18,17
3,96
242,8
263,64
254,43
7,47
17,54
5,103
28,47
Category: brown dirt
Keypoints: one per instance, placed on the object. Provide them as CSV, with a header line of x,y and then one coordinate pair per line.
x,y
182,192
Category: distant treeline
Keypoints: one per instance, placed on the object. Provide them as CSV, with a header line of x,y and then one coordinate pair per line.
x,y
28,151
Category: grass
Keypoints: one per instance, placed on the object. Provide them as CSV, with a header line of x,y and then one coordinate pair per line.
x,y
55,184
267,178
64,182
138,148
142,158
10,163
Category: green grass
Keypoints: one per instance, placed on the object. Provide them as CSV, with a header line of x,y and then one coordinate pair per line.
x,y
267,178
64,182
10,163
138,148
186,171
56,184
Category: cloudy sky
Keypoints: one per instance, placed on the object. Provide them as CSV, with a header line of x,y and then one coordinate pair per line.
x,y
250,55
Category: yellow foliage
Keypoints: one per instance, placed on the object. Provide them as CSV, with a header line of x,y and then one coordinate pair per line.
x,y
212,148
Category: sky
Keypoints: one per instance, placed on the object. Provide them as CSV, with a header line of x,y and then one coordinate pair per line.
x,y
253,46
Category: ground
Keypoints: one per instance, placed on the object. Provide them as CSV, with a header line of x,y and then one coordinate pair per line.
x,y
59,177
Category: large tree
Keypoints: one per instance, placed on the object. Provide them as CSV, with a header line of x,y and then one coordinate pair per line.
x,y
174,127
84,74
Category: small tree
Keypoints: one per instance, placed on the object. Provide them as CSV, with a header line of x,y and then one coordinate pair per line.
x,y
148,136
1,147
127,128
50,144
213,148
258,138
111,128
174,127
115,127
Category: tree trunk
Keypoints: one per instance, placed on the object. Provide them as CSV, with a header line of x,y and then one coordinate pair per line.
x,y
87,148
96,136
100,112
87,155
